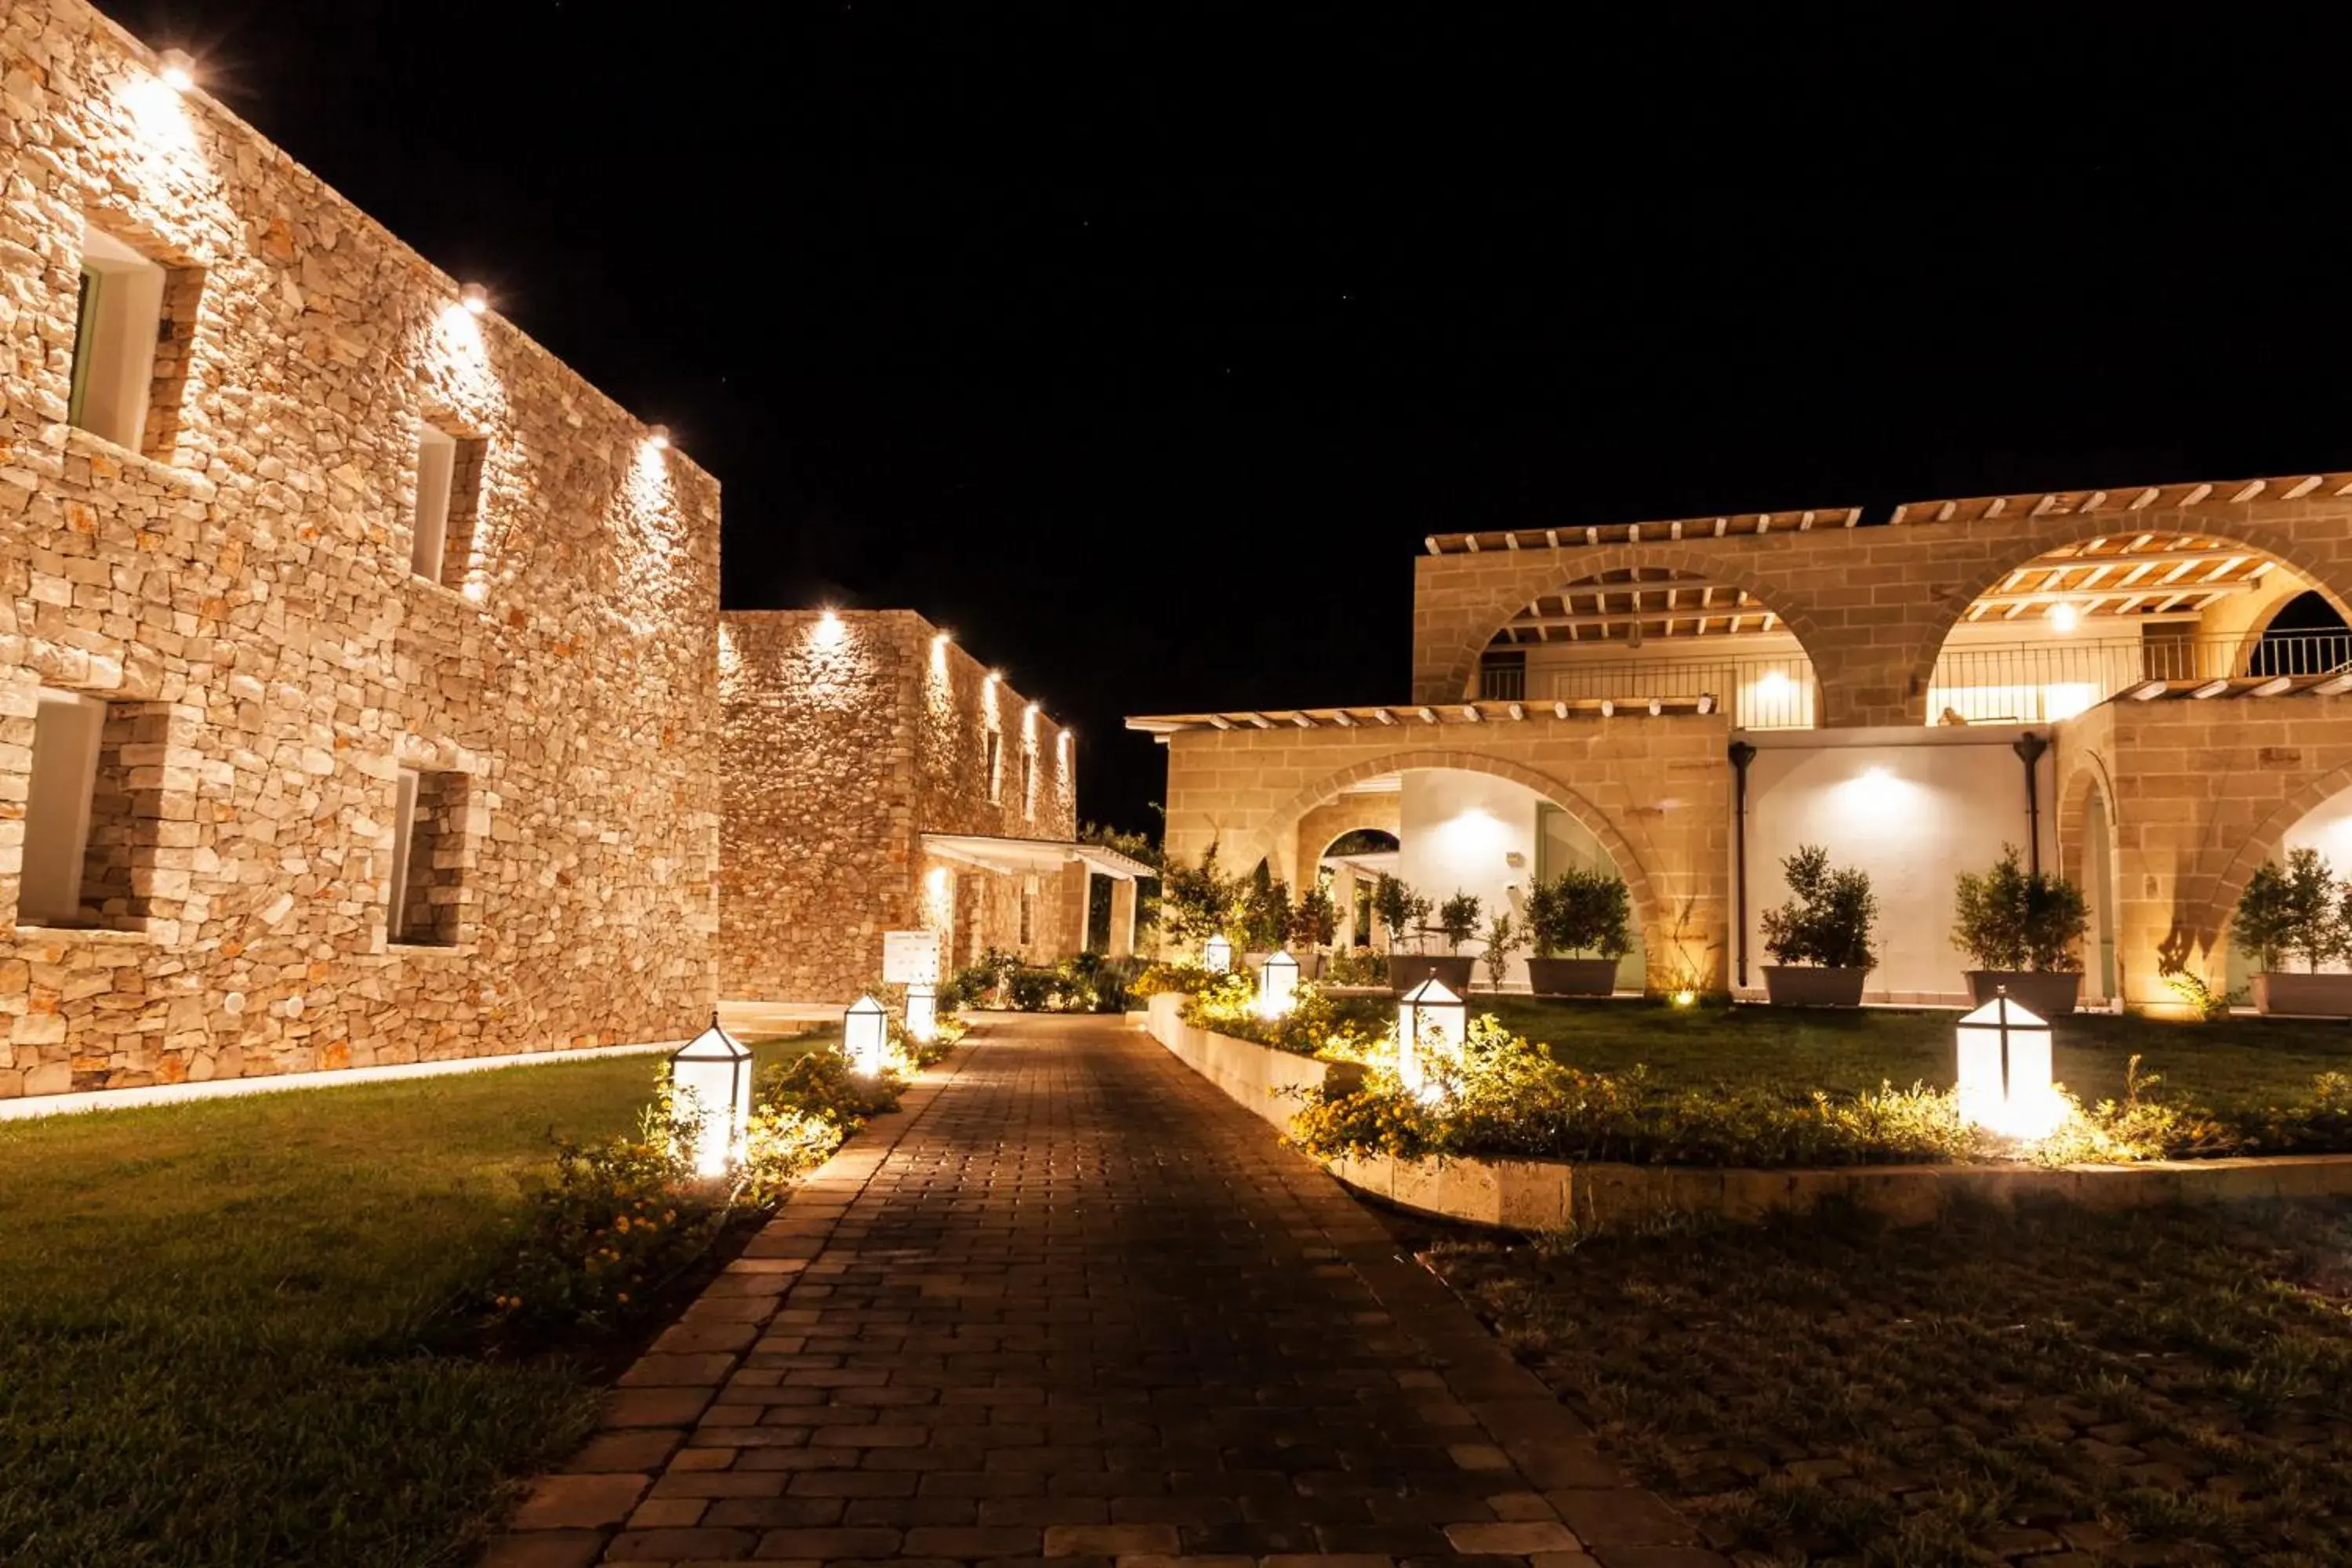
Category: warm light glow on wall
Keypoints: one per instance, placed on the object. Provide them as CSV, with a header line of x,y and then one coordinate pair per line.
x,y
829,630
1876,790
2064,617
178,71
475,299
657,437
1474,839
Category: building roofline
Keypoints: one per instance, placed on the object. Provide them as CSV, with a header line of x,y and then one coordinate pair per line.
x,y
2184,496
1431,714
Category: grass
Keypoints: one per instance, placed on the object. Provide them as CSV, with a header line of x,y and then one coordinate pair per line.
x,y
2170,1386
231,1333
2228,1063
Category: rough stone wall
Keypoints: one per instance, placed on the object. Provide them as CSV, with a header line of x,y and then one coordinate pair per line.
x,y
247,576
848,735
817,843
1656,793
1871,605
2200,793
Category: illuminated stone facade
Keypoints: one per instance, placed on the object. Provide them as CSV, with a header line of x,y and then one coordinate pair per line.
x,y
849,738
232,581
2162,788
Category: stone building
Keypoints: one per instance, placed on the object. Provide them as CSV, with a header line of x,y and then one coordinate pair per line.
x,y
356,657
2143,687
876,777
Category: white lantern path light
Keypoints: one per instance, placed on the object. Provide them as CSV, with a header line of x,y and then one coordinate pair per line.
x,y
1431,1025
710,1089
922,1012
866,1036
2005,1071
1277,985
1217,955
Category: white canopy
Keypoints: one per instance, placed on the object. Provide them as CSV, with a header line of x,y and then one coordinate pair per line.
x,y
992,853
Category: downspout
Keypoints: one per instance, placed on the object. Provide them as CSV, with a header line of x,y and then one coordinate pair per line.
x,y
1742,754
2029,749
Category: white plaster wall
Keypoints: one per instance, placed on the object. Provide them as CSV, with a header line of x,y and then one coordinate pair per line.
x,y
1914,808
1459,832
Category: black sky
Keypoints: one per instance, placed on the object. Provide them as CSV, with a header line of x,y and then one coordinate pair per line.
x,y
1142,344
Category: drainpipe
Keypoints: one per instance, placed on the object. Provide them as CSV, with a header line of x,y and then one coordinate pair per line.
x,y
2029,748
1742,754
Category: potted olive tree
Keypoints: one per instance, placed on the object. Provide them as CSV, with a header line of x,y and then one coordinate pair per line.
x,y
1503,937
1401,912
1265,916
1820,939
2022,928
1580,922
1313,923
2299,912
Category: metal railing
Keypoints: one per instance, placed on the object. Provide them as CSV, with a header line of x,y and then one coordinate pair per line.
x,y
2008,683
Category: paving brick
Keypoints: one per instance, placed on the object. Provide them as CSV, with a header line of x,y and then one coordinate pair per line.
x,y
558,1502
985,1356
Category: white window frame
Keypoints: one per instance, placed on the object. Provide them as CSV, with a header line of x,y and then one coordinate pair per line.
x,y
991,754
437,470
403,836
68,730
115,336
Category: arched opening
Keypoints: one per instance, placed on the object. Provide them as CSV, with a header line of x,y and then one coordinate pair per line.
x,y
2085,622
2305,636
1487,827
2098,881
1350,867
1631,633
2327,827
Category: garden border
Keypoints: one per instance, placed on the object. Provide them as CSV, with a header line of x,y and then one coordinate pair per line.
x,y
1545,1195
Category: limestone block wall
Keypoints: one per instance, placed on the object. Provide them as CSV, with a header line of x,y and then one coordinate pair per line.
x,y
1654,792
2199,795
240,586
1872,605
848,735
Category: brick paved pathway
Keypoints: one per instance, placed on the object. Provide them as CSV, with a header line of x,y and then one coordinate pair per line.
x,y
1074,1304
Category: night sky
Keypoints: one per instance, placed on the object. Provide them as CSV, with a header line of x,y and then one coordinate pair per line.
x,y
1141,345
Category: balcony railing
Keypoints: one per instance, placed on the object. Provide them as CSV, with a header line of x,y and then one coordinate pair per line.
x,y
2014,683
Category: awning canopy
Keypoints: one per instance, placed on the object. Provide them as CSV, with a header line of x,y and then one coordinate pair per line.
x,y
991,853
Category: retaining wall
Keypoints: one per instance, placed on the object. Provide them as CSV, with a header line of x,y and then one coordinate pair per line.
x,y
1543,1195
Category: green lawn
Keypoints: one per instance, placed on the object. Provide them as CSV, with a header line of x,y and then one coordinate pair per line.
x,y
2164,1387
2230,1062
226,1334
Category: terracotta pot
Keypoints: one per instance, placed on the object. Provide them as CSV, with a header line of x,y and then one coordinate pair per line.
x,y
1409,969
2304,995
2051,993
1812,985
1572,976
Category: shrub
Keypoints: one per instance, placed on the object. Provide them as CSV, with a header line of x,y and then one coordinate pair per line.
x,y
1400,908
1580,911
1318,1023
1196,902
2009,917
1457,919
2298,911
979,984
1355,967
1829,917
1189,978
1313,921
1504,938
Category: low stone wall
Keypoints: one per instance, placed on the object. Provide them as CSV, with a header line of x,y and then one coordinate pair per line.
x,y
1257,1077
1544,1194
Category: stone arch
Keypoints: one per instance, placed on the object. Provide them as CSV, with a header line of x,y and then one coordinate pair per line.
x,y
1939,614
1686,558
2220,899
1657,934
2088,780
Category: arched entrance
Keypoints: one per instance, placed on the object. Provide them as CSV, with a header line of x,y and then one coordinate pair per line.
x,y
1486,826
1349,867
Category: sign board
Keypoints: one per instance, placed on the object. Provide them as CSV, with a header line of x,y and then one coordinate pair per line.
x,y
910,957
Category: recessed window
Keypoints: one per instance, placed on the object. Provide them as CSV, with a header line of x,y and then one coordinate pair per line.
x,y
66,736
118,318
448,502
426,902
1028,782
1028,910
991,765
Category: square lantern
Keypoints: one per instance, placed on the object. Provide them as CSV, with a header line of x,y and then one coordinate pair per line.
x,y
2005,1072
1432,1024
922,1012
866,1036
1217,955
1277,985
710,1084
